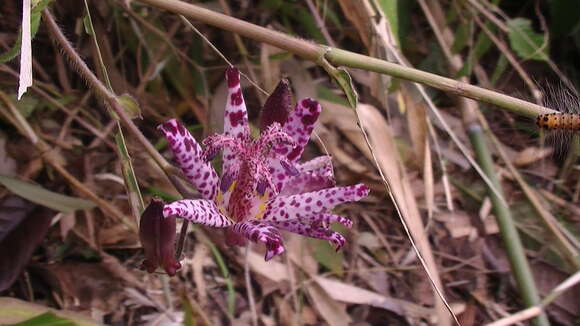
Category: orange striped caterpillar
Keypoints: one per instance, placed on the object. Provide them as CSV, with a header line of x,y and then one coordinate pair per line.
x,y
559,121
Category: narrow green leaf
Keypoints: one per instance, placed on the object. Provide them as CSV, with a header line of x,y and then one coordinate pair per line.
x,y
130,105
482,45
18,312
342,77
500,67
188,314
345,81
41,196
525,41
35,16
327,256
391,11
46,319
131,183
461,38
88,26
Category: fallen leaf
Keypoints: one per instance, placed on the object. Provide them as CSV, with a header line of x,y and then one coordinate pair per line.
x,y
347,293
16,311
47,198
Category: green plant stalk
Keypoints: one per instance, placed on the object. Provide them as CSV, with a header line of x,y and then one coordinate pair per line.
x,y
131,183
227,276
103,93
513,244
567,249
315,52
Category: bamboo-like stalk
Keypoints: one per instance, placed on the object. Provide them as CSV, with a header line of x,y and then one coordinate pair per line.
x,y
514,248
315,52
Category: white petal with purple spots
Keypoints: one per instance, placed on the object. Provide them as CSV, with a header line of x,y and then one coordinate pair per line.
x,y
235,118
261,232
203,212
302,207
188,155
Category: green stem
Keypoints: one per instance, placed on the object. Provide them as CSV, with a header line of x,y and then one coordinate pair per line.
x,y
314,52
515,249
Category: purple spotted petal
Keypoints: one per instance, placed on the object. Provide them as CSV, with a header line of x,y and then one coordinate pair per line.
x,y
188,155
235,118
203,212
313,175
306,206
277,107
260,232
313,231
299,126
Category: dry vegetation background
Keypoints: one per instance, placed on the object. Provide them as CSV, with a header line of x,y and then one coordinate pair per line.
x,y
87,261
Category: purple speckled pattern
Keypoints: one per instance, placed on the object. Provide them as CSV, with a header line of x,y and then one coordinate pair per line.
x,y
253,168
263,187
235,117
188,155
262,232
299,126
313,175
203,212
313,231
309,206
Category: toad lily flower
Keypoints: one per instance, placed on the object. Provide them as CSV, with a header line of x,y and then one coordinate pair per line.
x,y
263,187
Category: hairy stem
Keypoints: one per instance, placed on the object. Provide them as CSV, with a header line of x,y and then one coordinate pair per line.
x,y
313,52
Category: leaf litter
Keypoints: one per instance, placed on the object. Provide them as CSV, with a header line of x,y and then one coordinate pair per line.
x,y
311,287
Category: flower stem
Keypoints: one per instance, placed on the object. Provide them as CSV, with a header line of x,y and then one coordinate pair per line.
x,y
515,250
314,52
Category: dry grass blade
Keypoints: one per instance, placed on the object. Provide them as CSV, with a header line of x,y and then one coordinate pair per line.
x,y
382,150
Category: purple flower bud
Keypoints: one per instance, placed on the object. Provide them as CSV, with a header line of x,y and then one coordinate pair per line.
x,y
157,235
278,106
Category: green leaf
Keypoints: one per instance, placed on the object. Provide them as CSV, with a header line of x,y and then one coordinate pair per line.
x,y
131,183
341,76
41,196
398,13
391,11
21,313
343,79
327,256
461,38
327,94
46,319
26,105
88,26
130,105
525,42
482,45
466,69
188,314
35,15
500,67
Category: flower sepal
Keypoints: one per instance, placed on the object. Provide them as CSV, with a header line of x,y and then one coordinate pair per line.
x,y
157,235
